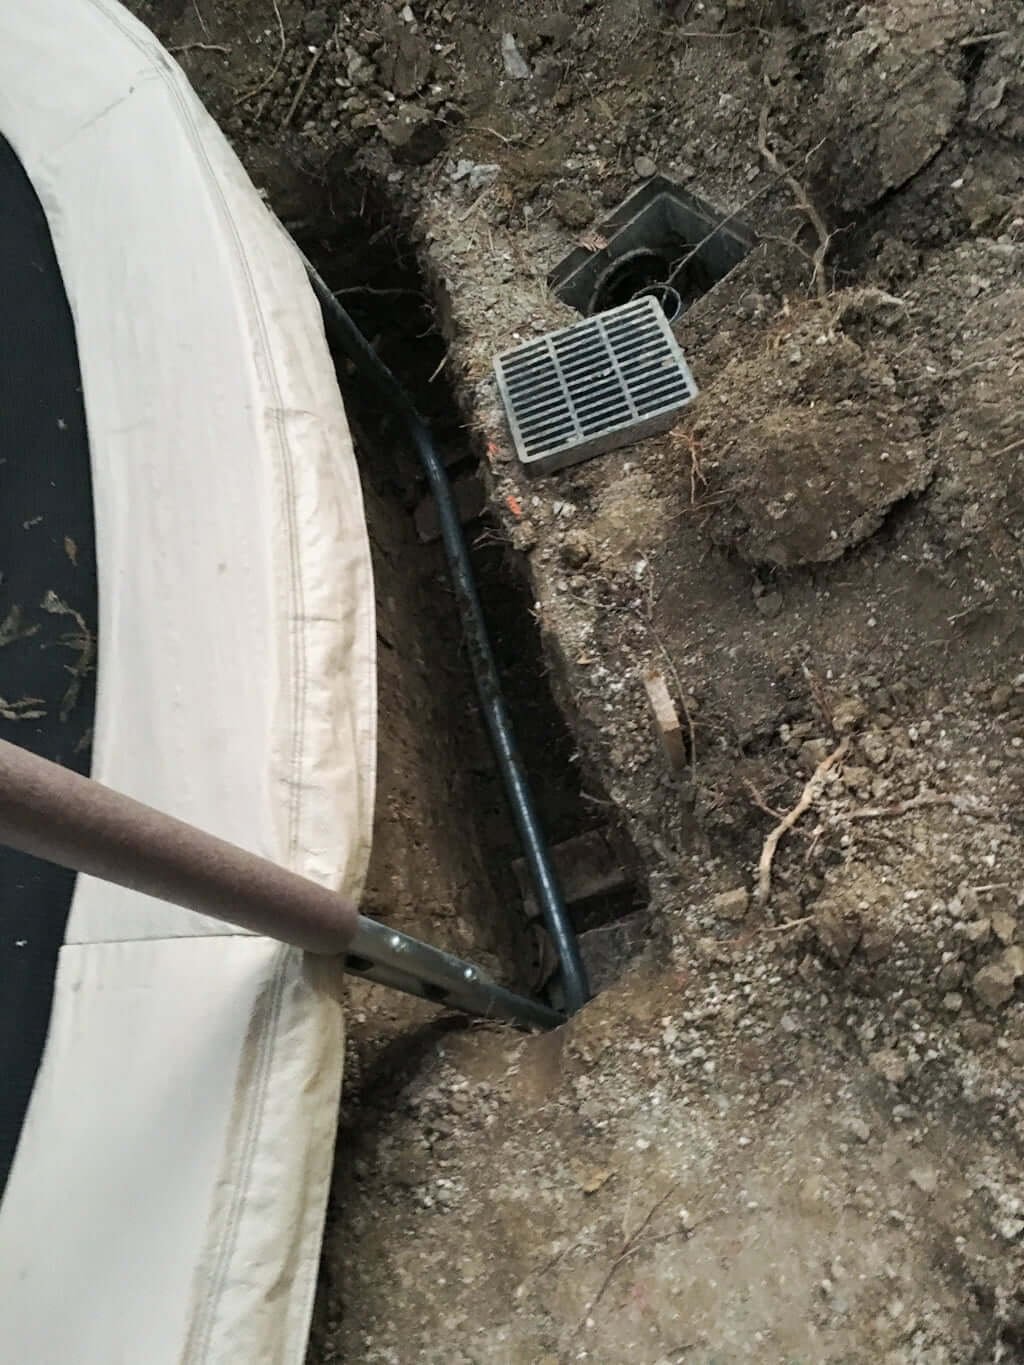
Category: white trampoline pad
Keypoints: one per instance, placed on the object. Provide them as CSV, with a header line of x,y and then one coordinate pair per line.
x,y
167,1197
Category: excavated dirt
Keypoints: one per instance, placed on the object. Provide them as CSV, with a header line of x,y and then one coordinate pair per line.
x,y
792,1130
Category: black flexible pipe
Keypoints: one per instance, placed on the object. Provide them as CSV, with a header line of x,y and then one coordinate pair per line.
x,y
346,335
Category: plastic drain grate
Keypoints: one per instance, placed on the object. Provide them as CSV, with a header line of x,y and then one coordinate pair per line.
x,y
590,388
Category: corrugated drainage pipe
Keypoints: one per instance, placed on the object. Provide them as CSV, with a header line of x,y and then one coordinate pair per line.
x,y
344,334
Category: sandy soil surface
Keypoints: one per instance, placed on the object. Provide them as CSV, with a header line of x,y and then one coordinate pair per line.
x,y
791,1130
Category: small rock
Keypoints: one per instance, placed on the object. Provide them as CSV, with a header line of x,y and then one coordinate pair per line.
x,y
732,905
856,778
1001,697
876,945
644,168
952,1002
858,1129
874,748
950,975
514,62
888,1064
592,1181
1015,1051
925,1178
360,71
769,604
994,984
1010,1228
976,1033
813,1195
838,934
848,713
976,931
1004,926
788,904
575,549
476,175
558,28
573,208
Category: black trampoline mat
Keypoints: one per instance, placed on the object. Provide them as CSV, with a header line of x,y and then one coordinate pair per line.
x,y
48,612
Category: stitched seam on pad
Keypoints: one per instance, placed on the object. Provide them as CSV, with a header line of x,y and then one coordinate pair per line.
x,y
203,1328
296,643
295,623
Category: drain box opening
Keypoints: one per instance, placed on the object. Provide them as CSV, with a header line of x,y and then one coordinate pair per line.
x,y
663,242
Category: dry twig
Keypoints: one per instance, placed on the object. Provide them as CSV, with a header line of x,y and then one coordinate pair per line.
x,y
918,803
302,88
635,1242
898,808
482,128
1008,450
786,926
684,261
810,794
697,475
370,289
200,47
804,203
760,802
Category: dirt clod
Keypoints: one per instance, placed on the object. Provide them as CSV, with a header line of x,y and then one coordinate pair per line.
x,y
994,984
413,135
732,905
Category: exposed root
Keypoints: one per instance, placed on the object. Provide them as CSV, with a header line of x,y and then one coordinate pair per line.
x,y
681,264
311,67
804,203
899,808
760,802
698,479
635,1242
810,794
199,47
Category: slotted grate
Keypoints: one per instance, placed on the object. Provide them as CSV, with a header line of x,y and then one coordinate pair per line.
x,y
590,388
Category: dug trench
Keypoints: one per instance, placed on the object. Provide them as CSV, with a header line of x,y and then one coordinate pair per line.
x,y
362,251
446,864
